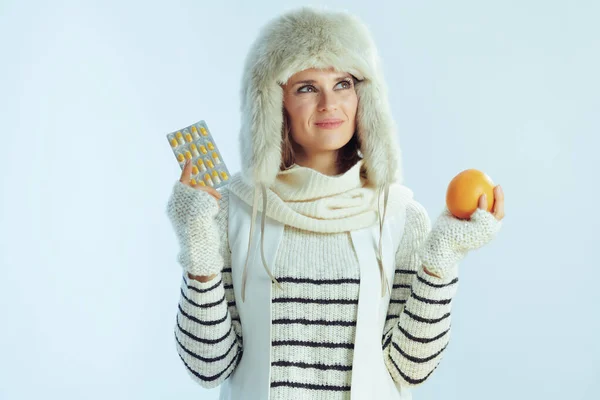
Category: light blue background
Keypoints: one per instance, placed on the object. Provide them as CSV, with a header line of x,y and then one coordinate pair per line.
x,y
89,281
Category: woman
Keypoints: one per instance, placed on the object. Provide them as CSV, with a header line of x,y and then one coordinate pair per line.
x,y
279,315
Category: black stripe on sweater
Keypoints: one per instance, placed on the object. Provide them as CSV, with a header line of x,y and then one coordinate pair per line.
x,y
206,359
405,271
239,358
195,289
285,321
311,386
416,318
407,378
291,279
426,320
312,344
386,342
437,285
206,378
422,340
198,321
320,366
207,305
201,340
417,359
401,285
429,301
314,301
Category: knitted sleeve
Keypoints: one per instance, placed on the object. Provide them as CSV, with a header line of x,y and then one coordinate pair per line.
x,y
208,333
417,328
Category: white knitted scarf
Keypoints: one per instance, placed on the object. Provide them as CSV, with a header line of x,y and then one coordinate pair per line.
x,y
307,199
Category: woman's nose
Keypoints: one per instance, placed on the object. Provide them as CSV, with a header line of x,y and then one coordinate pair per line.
x,y
327,101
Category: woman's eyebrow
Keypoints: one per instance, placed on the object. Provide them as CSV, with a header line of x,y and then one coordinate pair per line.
x,y
311,81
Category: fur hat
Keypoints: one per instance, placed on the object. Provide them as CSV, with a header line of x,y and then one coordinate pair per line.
x,y
301,39
314,38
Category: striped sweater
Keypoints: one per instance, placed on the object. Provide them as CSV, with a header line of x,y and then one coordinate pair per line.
x,y
314,318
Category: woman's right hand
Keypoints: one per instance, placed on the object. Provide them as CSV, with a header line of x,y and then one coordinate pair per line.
x,y
186,178
191,213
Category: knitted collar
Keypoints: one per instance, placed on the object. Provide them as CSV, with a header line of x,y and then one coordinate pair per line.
x,y
307,199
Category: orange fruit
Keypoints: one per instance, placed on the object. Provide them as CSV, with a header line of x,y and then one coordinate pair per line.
x,y
462,196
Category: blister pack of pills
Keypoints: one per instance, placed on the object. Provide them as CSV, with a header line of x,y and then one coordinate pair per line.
x,y
197,144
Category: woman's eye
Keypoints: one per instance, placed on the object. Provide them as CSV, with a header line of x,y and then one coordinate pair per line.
x,y
305,87
348,84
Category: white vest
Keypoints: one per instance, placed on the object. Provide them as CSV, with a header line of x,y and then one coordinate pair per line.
x,y
252,377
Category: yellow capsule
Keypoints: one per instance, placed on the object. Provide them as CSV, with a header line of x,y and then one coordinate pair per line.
x,y
188,155
179,138
200,163
203,150
202,183
215,176
194,170
194,150
203,130
208,180
193,181
210,146
210,164
224,175
180,157
188,137
173,142
216,157
195,133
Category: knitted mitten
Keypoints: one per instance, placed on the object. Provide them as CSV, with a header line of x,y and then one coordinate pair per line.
x,y
451,239
192,213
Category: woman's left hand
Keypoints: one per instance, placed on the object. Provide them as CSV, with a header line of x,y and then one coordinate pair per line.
x,y
498,207
452,238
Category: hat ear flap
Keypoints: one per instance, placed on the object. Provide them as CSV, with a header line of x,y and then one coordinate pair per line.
x,y
376,132
260,138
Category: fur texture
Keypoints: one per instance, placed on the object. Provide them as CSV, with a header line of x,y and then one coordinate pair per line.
x,y
314,38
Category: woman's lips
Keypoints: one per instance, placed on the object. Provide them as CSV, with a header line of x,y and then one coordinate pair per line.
x,y
329,125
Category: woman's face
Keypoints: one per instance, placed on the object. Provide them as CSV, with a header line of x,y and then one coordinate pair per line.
x,y
311,98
